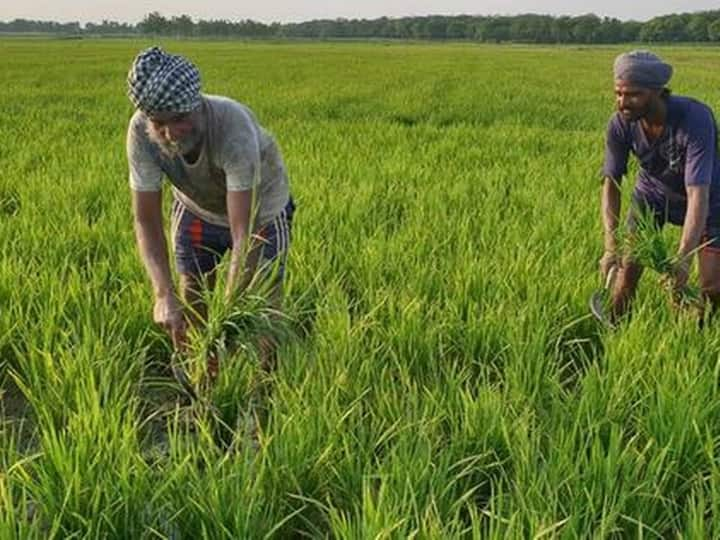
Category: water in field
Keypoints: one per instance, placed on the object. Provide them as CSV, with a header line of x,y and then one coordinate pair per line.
x,y
444,378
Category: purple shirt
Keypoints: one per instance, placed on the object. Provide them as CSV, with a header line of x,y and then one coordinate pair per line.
x,y
684,155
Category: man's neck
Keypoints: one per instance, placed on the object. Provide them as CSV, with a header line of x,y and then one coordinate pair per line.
x,y
653,123
193,155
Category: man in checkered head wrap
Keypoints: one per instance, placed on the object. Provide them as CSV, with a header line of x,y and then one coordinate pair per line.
x,y
229,183
674,139
162,82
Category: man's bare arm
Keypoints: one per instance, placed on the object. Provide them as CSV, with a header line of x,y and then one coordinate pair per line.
x,y
610,205
610,210
239,207
698,202
150,237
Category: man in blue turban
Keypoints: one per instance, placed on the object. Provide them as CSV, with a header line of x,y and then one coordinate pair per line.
x,y
674,139
229,183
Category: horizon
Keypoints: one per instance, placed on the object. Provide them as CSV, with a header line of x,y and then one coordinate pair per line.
x,y
284,12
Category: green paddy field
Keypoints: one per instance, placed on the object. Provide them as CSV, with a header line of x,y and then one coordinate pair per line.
x,y
443,378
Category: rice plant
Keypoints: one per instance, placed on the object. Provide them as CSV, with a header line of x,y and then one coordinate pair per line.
x,y
438,375
646,245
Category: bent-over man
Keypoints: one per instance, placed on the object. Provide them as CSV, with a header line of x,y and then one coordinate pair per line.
x,y
674,139
229,184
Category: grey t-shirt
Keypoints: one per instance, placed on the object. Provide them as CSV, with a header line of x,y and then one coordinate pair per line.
x,y
237,154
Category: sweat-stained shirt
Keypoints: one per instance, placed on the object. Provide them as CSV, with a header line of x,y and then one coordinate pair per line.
x,y
685,154
237,154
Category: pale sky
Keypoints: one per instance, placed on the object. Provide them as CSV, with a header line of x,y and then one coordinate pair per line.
x,y
301,10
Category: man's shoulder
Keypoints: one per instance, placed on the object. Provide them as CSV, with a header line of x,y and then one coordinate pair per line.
x,y
618,125
688,105
231,120
691,112
223,107
685,101
137,126
137,119
218,100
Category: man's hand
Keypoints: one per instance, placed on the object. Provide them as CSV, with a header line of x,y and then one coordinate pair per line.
x,y
695,219
610,210
168,313
239,209
681,273
608,261
678,279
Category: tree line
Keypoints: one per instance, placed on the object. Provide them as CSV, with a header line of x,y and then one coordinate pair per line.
x,y
685,27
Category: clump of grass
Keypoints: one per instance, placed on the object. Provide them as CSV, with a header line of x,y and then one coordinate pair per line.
x,y
647,246
236,323
9,202
235,330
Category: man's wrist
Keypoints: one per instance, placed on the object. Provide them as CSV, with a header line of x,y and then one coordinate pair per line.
x,y
610,242
683,259
610,250
162,293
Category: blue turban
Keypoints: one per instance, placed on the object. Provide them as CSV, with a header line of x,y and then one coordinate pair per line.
x,y
642,68
162,82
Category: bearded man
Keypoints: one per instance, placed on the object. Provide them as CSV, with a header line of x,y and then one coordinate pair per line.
x,y
229,184
674,139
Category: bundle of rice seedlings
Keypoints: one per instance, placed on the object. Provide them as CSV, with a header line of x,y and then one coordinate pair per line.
x,y
230,339
235,324
647,246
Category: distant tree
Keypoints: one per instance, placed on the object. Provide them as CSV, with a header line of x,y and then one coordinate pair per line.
x,y
27,26
714,30
667,28
435,28
584,29
631,31
403,28
697,27
609,31
182,26
528,28
154,23
496,29
456,30
109,28
561,29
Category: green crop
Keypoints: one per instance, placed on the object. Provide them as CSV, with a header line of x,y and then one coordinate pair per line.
x,y
439,375
647,246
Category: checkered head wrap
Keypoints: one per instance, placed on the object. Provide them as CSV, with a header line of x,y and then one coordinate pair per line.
x,y
162,82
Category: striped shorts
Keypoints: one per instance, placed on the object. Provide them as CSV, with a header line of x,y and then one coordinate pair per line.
x,y
199,245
